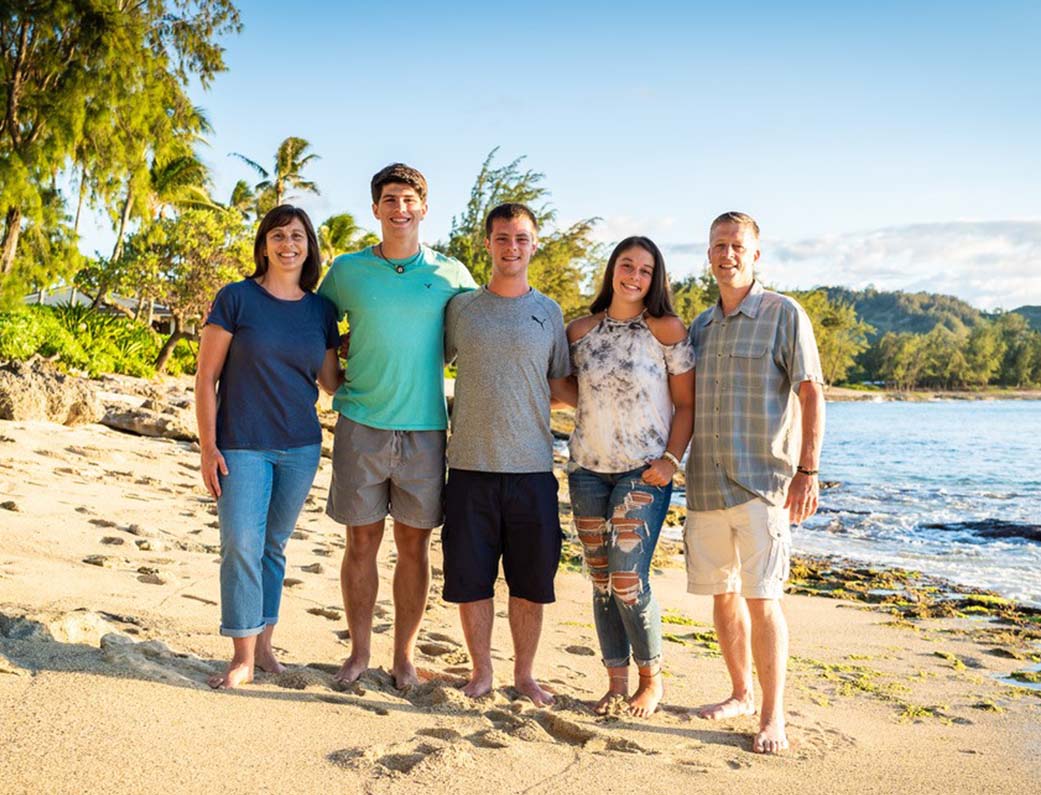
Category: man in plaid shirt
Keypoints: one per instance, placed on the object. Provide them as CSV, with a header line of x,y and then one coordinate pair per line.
x,y
749,474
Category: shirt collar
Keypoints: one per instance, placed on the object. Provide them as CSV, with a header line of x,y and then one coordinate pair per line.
x,y
749,306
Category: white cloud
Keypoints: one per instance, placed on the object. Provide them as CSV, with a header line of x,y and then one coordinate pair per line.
x,y
990,264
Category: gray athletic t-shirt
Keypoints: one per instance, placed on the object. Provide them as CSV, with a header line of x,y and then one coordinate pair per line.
x,y
506,349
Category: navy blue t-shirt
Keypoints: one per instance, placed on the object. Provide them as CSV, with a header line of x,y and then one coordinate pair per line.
x,y
267,392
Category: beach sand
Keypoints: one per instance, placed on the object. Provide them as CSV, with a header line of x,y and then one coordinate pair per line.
x,y
108,631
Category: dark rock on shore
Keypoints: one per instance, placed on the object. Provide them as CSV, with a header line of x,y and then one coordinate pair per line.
x,y
991,528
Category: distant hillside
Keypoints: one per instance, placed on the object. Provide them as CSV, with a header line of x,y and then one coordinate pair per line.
x,y
918,313
1032,314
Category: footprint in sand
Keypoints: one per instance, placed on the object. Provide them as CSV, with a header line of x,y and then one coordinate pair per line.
x,y
313,568
436,649
326,612
423,752
112,540
581,651
816,740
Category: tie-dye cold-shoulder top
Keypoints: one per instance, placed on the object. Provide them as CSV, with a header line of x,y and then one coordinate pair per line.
x,y
624,408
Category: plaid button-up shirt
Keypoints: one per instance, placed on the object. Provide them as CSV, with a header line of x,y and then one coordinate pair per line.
x,y
750,365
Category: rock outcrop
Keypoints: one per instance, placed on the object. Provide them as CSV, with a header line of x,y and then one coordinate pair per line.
x,y
37,390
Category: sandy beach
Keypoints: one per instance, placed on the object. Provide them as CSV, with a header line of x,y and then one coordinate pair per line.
x,y
108,630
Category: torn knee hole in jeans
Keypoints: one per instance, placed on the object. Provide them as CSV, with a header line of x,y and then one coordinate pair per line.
x,y
592,533
626,534
634,499
626,586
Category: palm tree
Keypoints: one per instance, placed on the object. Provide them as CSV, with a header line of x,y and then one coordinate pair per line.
x,y
340,234
290,159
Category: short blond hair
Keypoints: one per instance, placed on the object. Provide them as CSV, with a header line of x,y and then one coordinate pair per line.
x,y
734,217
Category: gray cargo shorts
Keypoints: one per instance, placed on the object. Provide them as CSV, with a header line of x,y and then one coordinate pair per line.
x,y
376,472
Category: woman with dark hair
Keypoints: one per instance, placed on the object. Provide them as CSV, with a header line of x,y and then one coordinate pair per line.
x,y
635,411
267,340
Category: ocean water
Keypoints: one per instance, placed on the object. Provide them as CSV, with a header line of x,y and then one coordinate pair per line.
x,y
951,488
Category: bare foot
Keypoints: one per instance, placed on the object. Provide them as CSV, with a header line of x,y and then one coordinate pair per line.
x,y
647,696
266,662
405,675
237,674
531,689
352,668
771,738
480,684
617,688
731,708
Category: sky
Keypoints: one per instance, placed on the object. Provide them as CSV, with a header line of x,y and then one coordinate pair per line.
x,y
894,144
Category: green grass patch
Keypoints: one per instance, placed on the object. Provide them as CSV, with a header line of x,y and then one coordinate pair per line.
x,y
987,706
953,659
672,617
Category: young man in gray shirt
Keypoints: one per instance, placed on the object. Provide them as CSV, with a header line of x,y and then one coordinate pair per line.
x,y
501,498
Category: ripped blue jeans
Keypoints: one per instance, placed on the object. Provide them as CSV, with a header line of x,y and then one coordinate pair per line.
x,y
618,518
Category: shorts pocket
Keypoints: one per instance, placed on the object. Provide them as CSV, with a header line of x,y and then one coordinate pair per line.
x,y
779,561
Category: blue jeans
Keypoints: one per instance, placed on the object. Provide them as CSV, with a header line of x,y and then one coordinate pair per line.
x,y
618,518
261,498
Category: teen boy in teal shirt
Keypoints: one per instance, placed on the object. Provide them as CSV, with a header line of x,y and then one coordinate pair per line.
x,y
388,453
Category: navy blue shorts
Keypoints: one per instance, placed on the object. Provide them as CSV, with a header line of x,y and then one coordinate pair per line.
x,y
492,515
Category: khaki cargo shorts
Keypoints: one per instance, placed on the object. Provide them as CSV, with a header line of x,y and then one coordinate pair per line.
x,y
745,549
376,472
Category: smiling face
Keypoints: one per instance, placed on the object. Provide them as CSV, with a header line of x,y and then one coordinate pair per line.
x,y
286,247
511,244
733,250
399,211
633,273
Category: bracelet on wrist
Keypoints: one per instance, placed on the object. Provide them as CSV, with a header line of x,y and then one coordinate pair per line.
x,y
805,471
667,456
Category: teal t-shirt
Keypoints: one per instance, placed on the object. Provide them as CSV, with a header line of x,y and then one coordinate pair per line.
x,y
395,367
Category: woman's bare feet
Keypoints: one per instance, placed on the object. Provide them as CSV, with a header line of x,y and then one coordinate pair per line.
x,y
266,661
649,694
238,673
617,688
733,707
240,669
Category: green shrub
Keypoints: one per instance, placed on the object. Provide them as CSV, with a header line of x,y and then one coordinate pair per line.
x,y
182,360
23,332
81,338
